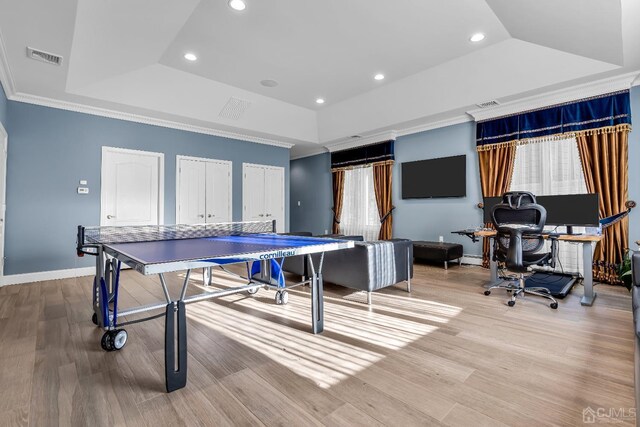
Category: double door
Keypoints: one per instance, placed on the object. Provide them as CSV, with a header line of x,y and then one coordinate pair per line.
x,y
204,191
263,194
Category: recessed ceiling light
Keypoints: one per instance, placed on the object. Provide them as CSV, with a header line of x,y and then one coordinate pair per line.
x,y
379,76
237,4
477,37
269,83
319,101
190,56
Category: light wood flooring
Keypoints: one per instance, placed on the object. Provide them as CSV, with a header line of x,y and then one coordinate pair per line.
x,y
443,355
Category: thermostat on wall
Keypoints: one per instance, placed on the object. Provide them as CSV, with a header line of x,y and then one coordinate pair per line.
x,y
83,190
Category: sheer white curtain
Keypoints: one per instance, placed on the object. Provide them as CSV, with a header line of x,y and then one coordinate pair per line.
x,y
547,168
359,208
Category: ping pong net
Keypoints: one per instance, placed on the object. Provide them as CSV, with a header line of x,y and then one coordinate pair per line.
x,y
150,233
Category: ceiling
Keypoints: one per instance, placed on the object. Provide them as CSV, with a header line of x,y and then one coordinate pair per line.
x,y
127,58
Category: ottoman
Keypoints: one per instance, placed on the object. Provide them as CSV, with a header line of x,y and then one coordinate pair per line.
x,y
437,252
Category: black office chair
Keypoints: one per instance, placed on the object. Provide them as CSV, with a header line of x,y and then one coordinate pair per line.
x,y
519,222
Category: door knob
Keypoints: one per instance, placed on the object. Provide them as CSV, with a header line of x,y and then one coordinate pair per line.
x,y
210,216
268,214
201,216
261,215
111,216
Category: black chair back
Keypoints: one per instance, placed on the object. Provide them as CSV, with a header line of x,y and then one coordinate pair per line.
x,y
519,222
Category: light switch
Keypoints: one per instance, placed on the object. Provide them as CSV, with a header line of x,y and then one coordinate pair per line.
x,y
83,182
299,203
83,190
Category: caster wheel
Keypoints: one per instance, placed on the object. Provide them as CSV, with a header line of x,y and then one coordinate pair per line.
x,y
487,292
253,291
94,319
278,298
118,338
511,303
554,305
105,342
284,297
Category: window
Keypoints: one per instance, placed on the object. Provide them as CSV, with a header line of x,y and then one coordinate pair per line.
x,y
548,168
359,208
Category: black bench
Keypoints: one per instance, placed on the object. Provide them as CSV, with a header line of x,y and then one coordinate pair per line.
x,y
437,252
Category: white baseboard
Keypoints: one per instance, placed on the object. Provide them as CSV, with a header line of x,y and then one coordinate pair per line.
x,y
15,279
472,259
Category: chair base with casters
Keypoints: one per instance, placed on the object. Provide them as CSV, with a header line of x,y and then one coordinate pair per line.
x,y
519,244
519,289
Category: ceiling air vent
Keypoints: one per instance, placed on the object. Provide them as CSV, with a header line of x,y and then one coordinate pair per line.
x,y
234,108
488,104
355,136
40,55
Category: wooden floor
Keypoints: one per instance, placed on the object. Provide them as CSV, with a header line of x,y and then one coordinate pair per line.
x,y
443,355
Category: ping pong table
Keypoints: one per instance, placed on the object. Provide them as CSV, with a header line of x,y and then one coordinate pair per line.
x,y
171,248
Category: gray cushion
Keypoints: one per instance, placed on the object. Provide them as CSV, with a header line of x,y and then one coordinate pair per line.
x,y
370,265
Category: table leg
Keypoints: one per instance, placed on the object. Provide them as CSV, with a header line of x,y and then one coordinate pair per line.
x,y
175,374
587,282
493,266
317,309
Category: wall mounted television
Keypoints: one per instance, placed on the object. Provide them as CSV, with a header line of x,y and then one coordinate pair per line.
x,y
435,178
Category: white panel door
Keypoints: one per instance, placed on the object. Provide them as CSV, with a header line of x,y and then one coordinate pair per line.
x,y
218,189
191,192
253,188
131,191
274,196
263,194
4,139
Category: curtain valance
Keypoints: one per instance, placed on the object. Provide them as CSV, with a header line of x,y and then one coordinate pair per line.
x,y
375,153
606,111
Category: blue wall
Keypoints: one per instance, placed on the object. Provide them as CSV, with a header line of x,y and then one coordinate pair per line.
x,y
427,219
50,150
311,186
413,219
634,168
3,107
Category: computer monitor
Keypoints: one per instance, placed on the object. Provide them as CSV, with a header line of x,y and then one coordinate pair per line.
x,y
579,210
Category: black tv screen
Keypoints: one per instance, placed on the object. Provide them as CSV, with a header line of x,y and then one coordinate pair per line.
x,y
433,178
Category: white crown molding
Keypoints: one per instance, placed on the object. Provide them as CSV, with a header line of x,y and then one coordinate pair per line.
x,y
313,152
464,118
359,142
137,118
40,276
560,96
5,72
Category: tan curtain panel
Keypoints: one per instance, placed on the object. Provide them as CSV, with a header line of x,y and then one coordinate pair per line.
x,y
604,157
382,173
496,170
338,195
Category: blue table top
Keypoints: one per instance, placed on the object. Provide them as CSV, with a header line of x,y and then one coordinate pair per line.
x,y
165,251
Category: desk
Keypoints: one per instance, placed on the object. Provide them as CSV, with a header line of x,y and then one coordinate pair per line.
x,y
587,242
